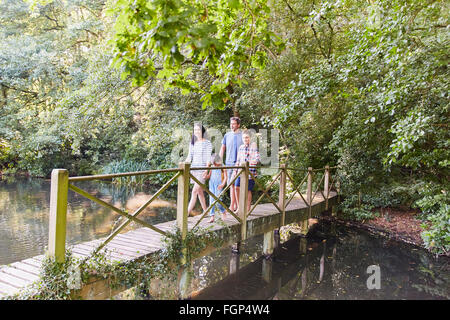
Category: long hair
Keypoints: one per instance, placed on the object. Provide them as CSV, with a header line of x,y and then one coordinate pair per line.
x,y
194,138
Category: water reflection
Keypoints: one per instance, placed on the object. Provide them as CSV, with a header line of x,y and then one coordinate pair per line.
x,y
331,264
24,211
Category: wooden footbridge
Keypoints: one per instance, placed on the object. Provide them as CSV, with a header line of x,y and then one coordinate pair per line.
x,y
296,203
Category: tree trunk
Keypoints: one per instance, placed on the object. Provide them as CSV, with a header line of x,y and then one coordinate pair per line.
x,y
233,104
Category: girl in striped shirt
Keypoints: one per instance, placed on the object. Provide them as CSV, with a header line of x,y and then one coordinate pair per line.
x,y
199,156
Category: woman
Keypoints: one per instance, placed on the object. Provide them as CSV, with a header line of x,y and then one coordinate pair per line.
x,y
199,156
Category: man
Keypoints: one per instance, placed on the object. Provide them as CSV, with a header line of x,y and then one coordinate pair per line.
x,y
231,143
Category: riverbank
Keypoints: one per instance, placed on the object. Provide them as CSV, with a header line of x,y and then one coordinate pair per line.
x,y
393,223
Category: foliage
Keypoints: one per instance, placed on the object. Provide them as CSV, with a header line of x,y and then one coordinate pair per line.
x,y
158,38
435,207
123,166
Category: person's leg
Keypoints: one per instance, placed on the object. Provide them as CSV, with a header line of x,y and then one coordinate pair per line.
x,y
193,200
201,197
233,203
236,193
251,185
211,199
212,188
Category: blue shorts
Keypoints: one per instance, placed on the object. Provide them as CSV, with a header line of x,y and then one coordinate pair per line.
x,y
251,183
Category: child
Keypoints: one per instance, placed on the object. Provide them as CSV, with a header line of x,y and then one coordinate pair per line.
x,y
217,180
247,152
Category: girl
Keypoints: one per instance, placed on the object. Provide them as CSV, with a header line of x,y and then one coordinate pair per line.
x,y
217,180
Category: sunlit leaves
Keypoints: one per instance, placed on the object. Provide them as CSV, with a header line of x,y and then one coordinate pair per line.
x,y
161,38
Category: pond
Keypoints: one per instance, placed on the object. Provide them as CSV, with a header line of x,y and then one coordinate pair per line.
x,y
332,263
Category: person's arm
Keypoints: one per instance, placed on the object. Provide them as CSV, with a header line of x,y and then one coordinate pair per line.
x,y
238,162
256,157
223,147
222,150
225,178
208,172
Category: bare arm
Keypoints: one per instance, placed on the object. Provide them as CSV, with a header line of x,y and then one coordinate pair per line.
x,y
225,178
222,151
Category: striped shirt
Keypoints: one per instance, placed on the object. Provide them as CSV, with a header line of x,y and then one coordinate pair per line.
x,y
248,153
200,153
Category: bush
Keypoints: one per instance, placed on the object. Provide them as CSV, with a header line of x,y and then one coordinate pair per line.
x,y
436,215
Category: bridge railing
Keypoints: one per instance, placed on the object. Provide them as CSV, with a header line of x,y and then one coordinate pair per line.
x,y
317,182
61,183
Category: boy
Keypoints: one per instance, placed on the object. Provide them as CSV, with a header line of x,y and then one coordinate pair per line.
x,y
247,152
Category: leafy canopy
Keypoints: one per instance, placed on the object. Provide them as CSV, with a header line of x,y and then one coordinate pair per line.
x,y
166,38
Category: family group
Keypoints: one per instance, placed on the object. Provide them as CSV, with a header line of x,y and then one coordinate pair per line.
x,y
238,149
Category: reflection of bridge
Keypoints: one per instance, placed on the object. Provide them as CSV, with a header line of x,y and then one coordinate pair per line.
x,y
265,277
296,202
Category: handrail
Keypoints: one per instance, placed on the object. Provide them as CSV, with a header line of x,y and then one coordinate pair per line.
x,y
125,174
216,168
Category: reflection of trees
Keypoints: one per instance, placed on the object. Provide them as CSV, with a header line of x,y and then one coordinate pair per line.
x,y
406,273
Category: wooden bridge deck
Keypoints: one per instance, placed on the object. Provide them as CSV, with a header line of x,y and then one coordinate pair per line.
x,y
143,242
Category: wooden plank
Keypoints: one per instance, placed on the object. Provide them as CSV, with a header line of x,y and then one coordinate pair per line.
x,y
26,267
155,243
127,249
137,243
151,235
6,289
20,274
145,239
112,245
113,255
33,262
109,254
13,281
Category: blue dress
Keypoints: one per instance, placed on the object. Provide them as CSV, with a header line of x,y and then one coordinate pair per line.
x,y
214,182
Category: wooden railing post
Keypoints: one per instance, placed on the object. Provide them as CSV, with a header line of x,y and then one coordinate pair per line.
x,y
326,182
282,194
59,189
183,198
309,191
243,200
